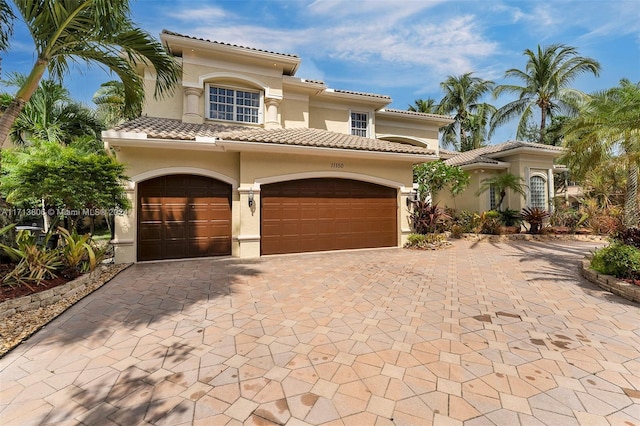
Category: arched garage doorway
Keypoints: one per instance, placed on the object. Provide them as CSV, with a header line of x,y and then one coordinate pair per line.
x,y
182,216
327,214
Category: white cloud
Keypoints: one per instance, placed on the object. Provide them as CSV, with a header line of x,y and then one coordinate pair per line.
x,y
206,14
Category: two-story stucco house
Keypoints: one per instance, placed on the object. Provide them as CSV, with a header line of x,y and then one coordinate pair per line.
x,y
247,159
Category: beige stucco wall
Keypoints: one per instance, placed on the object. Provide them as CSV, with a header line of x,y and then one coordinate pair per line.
x,y
468,200
247,171
295,113
519,165
327,118
144,163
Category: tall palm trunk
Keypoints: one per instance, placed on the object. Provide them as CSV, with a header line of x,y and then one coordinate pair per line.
x,y
631,197
543,123
8,118
22,97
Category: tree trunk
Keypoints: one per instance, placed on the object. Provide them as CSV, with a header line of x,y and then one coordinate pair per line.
x,y
22,97
543,123
46,222
8,118
631,197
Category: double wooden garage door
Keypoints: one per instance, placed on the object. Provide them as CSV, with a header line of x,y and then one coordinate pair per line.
x,y
181,216
327,214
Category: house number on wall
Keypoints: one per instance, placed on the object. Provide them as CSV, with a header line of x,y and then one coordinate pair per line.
x,y
337,165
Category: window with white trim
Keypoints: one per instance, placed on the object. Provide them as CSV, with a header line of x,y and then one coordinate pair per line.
x,y
493,197
230,104
538,192
359,124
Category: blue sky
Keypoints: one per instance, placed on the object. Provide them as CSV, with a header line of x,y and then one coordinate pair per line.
x,y
403,49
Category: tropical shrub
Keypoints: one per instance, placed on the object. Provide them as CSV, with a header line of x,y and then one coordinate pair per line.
x,y
629,236
77,253
491,222
510,217
428,218
465,221
35,262
535,216
617,259
569,218
426,241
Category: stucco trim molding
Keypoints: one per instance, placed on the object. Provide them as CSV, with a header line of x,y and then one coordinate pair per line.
x,y
328,174
183,170
250,238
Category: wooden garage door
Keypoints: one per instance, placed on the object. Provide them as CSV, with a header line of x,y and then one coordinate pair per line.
x,y
327,214
182,216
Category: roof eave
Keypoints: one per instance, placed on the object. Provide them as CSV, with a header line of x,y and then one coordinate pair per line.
x,y
240,146
290,63
482,165
527,150
442,119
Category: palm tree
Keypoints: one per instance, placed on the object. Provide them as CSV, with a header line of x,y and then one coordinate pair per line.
x,y
608,127
110,101
501,183
427,106
477,124
6,24
546,78
98,31
52,115
462,97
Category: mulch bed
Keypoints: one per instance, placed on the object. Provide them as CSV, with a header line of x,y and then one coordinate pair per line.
x,y
8,292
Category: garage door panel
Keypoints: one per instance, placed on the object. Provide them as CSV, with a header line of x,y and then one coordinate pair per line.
x,y
327,214
183,216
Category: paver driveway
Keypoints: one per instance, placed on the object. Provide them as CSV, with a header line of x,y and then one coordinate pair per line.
x,y
484,333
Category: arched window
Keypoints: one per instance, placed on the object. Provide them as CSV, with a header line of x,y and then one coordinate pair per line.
x,y
538,192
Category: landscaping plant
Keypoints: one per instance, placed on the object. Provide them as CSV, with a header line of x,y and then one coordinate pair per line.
x,y
35,262
77,253
617,259
535,216
428,218
491,222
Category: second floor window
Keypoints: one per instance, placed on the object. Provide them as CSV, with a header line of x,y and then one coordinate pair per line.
x,y
359,123
234,105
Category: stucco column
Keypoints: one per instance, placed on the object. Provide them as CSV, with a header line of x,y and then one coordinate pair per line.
x,y
527,190
551,186
272,121
249,233
192,99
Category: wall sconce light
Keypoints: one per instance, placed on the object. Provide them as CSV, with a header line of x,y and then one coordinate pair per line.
x,y
412,197
251,197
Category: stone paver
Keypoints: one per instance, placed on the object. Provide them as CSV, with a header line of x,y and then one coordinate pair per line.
x,y
477,334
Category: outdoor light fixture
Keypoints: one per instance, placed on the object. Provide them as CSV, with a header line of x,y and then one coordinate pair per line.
x,y
251,197
412,197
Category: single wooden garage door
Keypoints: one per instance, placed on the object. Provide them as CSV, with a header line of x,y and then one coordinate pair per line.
x,y
182,216
327,214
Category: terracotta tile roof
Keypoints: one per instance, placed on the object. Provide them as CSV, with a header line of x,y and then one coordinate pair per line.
x,y
227,44
163,128
323,139
488,154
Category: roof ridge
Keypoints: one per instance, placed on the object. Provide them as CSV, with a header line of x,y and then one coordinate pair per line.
x,y
255,49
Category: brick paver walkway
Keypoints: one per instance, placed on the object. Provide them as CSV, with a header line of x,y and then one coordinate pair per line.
x,y
478,334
